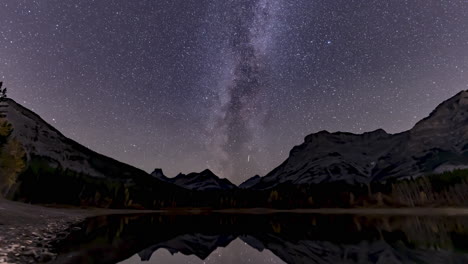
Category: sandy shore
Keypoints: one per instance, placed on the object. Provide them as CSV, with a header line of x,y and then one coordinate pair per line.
x,y
26,231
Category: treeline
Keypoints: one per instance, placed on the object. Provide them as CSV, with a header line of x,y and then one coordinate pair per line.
x,y
12,157
39,181
446,189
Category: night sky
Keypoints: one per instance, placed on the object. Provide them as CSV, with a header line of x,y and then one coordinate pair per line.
x,y
229,85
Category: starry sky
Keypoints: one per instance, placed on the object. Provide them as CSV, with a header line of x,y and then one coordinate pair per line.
x,y
229,85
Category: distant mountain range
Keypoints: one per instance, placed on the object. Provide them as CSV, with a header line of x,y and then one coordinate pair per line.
x,y
42,141
436,144
203,181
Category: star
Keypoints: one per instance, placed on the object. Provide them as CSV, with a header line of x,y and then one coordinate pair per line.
x,y
194,84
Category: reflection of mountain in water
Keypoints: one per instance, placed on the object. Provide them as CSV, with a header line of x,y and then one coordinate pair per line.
x,y
378,251
199,245
293,238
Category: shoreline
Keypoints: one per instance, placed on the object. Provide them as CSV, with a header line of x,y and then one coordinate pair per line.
x,y
404,211
28,231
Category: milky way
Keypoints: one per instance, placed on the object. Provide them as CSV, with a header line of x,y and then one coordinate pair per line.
x,y
229,85
239,109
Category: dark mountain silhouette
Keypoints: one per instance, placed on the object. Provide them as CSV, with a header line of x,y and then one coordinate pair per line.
x,y
434,145
39,139
203,181
159,174
250,182
85,177
327,170
54,168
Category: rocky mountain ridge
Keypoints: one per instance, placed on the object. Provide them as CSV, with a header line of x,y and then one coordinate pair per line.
x,y
435,144
203,181
40,139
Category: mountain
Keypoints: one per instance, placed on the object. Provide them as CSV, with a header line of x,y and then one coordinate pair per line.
x,y
39,164
35,157
436,144
39,139
203,181
250,182
159,174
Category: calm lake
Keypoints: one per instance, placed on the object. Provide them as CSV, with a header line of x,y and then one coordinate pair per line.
x,y
272,238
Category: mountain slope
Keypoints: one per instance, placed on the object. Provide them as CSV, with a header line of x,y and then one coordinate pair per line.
x,y
58,169
250,182
436,144
38,138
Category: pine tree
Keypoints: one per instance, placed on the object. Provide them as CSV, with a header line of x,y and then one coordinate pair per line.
x,y
3,92
12,164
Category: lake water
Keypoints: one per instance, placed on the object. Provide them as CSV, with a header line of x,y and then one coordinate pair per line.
x,y
272,238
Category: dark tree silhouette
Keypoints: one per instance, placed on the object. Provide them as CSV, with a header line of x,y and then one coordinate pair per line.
x,y
3,92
